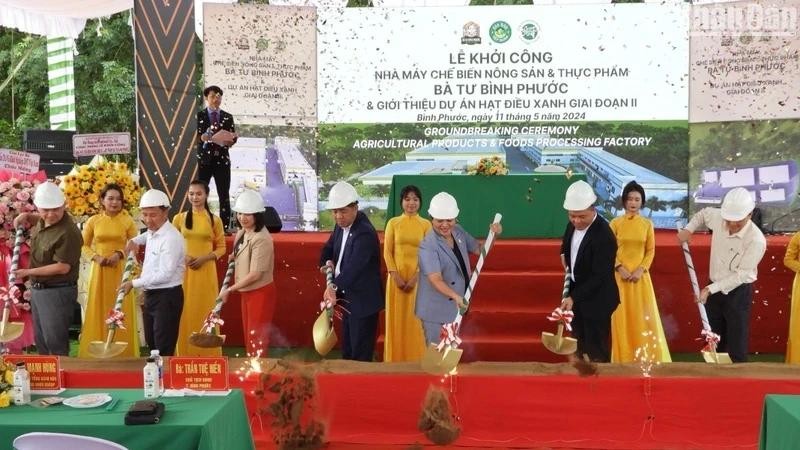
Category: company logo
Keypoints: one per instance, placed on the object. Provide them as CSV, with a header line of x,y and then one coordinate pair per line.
x,y
500,31
243,43
472,34
529,31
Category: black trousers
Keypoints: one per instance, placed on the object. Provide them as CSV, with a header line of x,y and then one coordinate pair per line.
x,y
729,317
592,333
359,334
220,169
161,316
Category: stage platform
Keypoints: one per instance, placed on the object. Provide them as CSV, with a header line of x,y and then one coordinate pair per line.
x,y
516,405
519,285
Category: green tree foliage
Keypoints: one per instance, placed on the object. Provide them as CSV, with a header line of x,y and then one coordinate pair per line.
x,y
24,94
105,81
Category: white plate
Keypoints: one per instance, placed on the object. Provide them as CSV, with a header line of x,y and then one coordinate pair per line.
x,y
88,400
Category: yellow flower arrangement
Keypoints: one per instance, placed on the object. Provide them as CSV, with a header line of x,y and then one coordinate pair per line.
x,y
489,166
82,186
6,383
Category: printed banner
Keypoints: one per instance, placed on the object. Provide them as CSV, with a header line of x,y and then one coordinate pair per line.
x,y
264,59
101,144
515,63
17,161
575,88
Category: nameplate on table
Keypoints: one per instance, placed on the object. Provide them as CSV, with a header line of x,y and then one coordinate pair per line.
x,y
44,370
198,373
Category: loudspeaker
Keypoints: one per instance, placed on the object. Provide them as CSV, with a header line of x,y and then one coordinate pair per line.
x,y
48,140
54,148
272,220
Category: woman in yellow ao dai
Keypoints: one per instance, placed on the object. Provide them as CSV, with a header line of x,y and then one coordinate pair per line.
x,y
636,324
104,238
792,261
205,243
404,340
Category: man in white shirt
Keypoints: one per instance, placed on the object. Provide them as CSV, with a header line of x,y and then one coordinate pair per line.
x,y
737,247
588,251
162,273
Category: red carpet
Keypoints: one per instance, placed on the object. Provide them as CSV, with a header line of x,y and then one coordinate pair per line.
x,y
683,406
520,285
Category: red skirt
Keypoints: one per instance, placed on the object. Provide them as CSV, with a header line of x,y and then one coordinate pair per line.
x,y
258,307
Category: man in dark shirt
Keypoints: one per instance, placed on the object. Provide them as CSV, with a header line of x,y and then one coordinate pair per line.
x,y
54,263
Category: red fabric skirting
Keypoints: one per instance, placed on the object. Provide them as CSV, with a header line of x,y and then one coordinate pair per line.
x,y
562,411
555,411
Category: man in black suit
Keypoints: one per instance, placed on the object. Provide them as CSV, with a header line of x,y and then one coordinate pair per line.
x,y
589,249
213,160
354,250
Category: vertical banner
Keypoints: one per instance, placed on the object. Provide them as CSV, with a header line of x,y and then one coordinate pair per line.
x,y
745,66
264,59
62,83
165,99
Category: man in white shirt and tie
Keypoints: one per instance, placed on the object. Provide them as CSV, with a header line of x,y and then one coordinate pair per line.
x,y
737,246
162,273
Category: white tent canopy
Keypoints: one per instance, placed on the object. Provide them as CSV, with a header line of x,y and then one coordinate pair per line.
x,y
56,17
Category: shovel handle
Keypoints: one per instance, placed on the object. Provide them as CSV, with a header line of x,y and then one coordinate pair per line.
x,y
687,257
19,238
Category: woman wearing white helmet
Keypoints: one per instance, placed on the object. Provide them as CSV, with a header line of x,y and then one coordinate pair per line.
x,y
444,266
205,243
255,260
737,246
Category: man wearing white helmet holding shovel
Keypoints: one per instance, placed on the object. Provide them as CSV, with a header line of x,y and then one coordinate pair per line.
x,y
588,251
354,251
162,273
55,259
737,246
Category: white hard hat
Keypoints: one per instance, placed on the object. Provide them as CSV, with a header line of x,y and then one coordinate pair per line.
x,y
249,202
737,204
341,195
579,196
443,206
48,196
154,198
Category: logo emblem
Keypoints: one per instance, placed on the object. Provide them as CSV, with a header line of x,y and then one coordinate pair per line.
x,y
500,31
472,34
529,31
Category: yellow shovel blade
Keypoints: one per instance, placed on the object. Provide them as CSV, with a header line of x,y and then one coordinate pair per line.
x,y
206,340
443,362
100,349
10,331
717,358
107,349
559,344
324,334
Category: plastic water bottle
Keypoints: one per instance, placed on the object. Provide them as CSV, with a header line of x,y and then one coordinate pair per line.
x,y
156,355
22,385
151,386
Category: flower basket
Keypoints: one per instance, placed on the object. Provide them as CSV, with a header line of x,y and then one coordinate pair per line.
x,y
489,166
83,185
